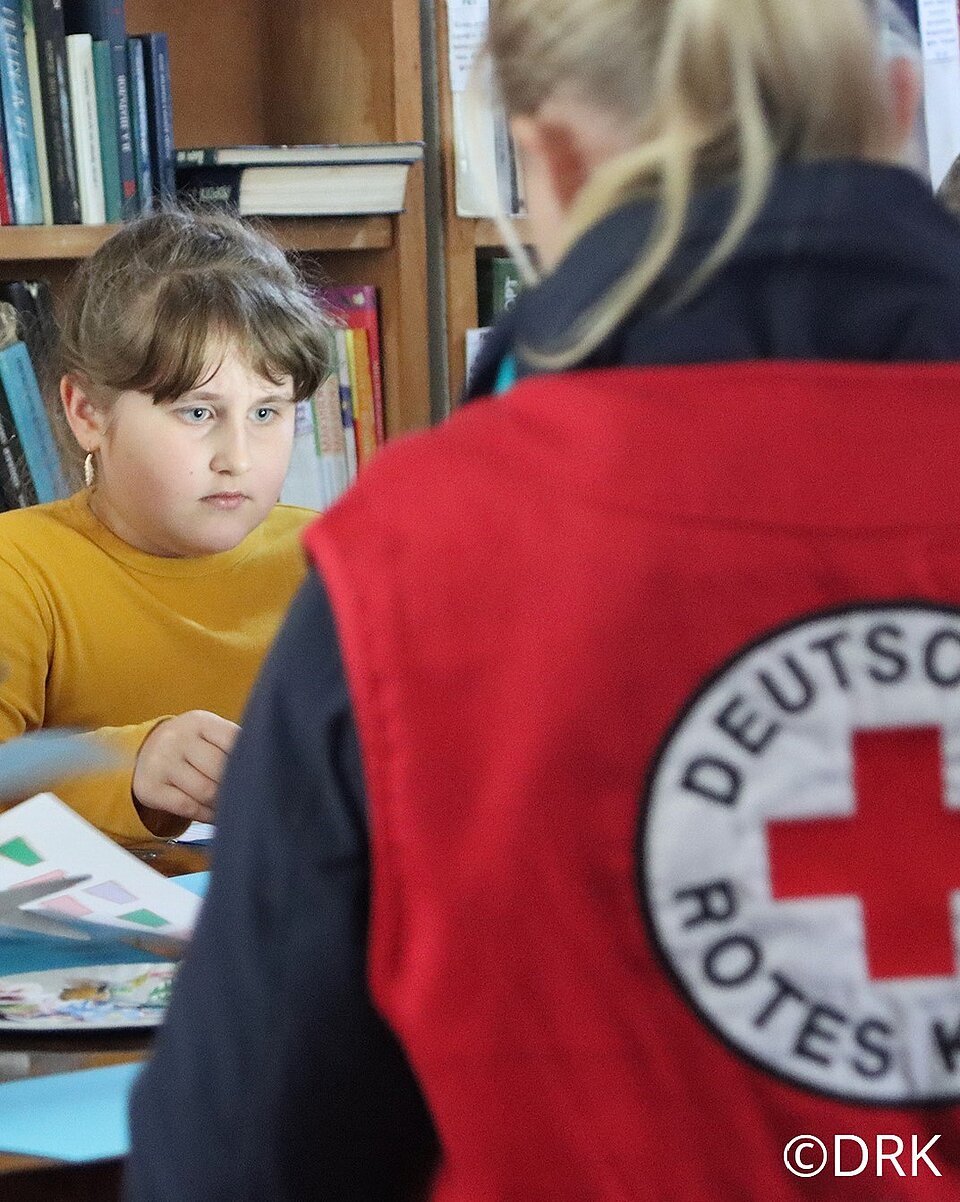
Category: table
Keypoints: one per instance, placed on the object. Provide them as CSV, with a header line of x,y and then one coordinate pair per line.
x,y
28,1178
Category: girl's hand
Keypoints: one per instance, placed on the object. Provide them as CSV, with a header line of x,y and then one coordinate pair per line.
x,y
180,764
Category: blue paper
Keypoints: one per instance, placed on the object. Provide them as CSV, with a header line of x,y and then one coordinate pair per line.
x,y
196,882
69,1116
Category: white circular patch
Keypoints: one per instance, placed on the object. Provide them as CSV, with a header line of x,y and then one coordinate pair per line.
x,y
800,853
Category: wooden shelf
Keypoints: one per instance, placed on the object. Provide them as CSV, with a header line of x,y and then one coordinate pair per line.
x,y
487,234
47,242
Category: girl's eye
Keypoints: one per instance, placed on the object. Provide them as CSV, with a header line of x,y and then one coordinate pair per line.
x,y
196,414
264,414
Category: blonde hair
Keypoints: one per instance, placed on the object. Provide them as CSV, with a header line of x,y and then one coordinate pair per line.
x,y
713,90
151,305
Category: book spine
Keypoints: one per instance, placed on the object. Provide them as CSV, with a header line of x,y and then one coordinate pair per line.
x,y
6,195
36,109
362,390
15,483
86,130
304,483
331,444
505,285
211,185
107,125
17,117
55,103
346,404
156,63
140,124
105,21
198,156
33,425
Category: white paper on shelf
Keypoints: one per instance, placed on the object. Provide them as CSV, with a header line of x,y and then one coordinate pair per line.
x,y
940,39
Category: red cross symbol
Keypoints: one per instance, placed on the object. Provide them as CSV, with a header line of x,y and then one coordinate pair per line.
x,y
899,853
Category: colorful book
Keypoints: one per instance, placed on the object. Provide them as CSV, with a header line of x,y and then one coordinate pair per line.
x,y
105,21
361,386
356,305
156,67
86,127
55,105
107,125
33,425
140,123
36,108
346,403
18,119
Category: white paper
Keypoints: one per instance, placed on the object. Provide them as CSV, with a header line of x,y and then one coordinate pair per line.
x,y
940,39
466,29
42,838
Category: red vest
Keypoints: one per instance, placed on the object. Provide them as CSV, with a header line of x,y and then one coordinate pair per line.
x,y
656,676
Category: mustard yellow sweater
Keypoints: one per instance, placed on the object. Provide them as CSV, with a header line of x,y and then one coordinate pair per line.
x,y
97,635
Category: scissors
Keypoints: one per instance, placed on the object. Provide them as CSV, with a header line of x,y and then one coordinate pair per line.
x,y
39,924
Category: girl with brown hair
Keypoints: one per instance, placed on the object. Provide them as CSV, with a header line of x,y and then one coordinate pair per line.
x,y
139,608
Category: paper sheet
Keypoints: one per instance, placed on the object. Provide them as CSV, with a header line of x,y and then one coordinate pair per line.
x,y
75,1117
43,838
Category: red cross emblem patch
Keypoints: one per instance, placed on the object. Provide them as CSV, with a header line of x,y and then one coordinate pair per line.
x,y
799,853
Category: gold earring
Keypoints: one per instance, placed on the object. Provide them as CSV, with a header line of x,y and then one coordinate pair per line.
x,y
88,471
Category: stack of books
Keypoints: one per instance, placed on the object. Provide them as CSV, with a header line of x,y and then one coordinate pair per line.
x,y
340,428
299,181
87,118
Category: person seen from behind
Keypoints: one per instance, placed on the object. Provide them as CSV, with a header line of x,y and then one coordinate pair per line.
x,y
590,834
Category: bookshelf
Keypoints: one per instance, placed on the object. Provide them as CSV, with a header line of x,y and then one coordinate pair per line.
x,y
251,71
463,236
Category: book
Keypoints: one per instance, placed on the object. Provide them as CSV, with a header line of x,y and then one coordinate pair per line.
x,y
316,190
16,487
105,21
498,286
35,321
18,119
474,341
107,125
346,403
156,68
304,483
86,128
361,387
36,108
6,197
55,105
356,306
19,385
310,155
140,124
331,441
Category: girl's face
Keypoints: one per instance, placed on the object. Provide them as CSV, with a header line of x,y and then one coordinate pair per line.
x,y
194,476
